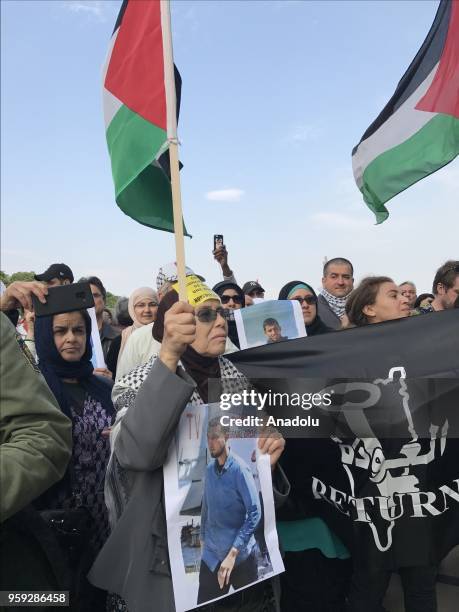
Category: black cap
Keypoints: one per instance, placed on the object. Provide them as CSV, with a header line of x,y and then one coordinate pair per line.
x,y
250,286
60,271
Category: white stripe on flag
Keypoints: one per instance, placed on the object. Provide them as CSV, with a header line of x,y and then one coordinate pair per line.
x,y
110,103
400,126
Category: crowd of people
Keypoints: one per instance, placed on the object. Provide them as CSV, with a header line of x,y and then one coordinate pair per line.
x,y
82,448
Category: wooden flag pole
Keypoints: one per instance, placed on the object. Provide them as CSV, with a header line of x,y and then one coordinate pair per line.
x,y
171,105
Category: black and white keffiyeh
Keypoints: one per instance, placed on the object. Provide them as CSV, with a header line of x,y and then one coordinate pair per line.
x,y
117,480
337,304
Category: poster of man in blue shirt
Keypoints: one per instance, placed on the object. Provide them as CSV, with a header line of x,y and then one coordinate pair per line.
x,y
229,516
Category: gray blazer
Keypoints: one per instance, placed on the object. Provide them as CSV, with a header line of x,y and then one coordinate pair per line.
x,y
326,313
134,561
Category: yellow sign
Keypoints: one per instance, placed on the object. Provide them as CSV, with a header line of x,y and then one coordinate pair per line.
x,y
197,292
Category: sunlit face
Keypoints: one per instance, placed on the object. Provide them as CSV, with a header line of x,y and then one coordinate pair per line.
x,y
448,295
338,280
210,338
409,291
309,310
233,302
69,333
389,304
216,442
145,311
273,332
99,303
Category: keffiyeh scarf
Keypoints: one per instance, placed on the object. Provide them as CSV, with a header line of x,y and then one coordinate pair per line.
x,y
117,480
337,304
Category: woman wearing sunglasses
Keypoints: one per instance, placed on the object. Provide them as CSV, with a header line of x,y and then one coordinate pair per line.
x,y
232,297
316,561
306,296
134,563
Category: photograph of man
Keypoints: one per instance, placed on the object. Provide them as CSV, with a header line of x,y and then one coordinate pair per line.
x,y
272,331
229,516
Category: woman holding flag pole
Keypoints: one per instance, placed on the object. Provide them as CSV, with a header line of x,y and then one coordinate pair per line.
x,y
134,562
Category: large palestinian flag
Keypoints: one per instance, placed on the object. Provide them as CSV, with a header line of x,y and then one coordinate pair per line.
x,y
418,131
135,113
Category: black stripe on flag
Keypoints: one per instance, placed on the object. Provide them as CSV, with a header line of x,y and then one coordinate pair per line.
x,y
119,19
426,58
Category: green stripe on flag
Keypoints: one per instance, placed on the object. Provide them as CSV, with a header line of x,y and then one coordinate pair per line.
x,y
142,190
431,148
133,143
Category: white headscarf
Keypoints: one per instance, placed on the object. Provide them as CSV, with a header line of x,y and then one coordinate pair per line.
x,y
142,293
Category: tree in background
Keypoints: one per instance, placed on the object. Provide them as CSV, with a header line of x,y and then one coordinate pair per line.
x,y
111,299
16,276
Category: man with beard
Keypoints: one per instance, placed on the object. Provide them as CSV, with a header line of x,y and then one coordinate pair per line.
x,y
445,288
229,516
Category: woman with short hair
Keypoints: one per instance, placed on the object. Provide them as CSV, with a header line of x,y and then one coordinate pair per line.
x,y
376,299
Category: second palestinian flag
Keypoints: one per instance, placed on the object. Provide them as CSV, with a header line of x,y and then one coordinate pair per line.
x,y
418,131
135,114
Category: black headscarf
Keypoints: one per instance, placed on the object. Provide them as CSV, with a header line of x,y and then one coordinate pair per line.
x,y
219,288
55,368
199,367
317,326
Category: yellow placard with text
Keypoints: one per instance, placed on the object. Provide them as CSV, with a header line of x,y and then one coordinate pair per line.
x,y
197,292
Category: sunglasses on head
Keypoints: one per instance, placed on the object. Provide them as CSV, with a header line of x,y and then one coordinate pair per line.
x,y
208,315
309,299
237,299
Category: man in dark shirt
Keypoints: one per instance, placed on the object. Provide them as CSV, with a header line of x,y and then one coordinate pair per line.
x,y
445,288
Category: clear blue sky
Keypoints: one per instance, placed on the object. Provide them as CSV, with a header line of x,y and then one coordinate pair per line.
x,y
275,95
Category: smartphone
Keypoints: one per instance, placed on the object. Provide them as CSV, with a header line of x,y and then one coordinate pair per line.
x,y
218,241
64,298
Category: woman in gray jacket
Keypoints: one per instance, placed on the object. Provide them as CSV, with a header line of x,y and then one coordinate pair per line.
x,y
134,562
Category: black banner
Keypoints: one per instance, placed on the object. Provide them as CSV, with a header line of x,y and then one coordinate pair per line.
x,y
394,500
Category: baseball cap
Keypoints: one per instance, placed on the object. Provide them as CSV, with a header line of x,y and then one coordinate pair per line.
x,y
168,274
250,286
57,270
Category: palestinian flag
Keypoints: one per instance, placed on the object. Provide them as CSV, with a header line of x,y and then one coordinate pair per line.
x,y
418,131
135,112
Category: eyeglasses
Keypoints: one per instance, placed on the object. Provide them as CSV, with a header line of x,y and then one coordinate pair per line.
x,y
208,315
309,299
256,293
237,299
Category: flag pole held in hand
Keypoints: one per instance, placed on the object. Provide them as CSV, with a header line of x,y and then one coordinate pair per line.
x,y
169,81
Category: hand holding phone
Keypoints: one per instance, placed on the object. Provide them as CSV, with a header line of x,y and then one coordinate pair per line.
x,y
218,242
64,298
20,294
